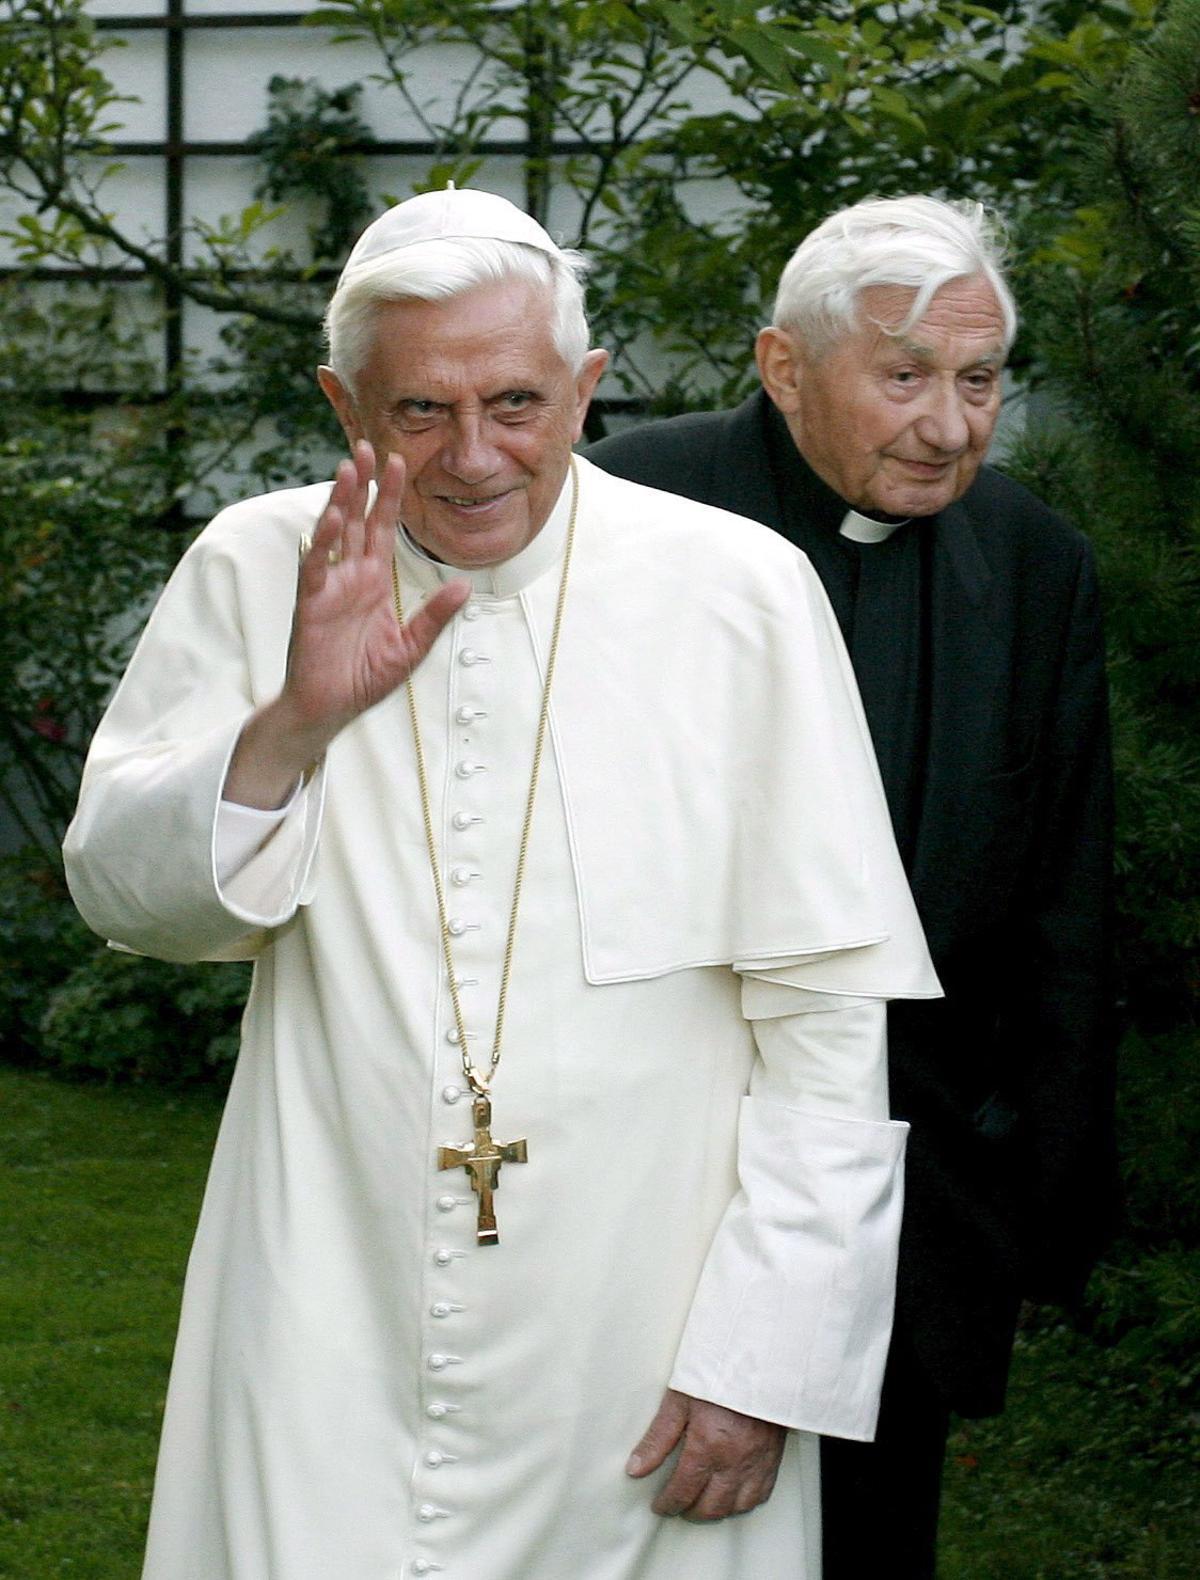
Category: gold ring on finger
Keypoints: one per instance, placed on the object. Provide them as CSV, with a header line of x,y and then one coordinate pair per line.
x,y
334,557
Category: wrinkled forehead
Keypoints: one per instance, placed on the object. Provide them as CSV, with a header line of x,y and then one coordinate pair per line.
x,y
964,313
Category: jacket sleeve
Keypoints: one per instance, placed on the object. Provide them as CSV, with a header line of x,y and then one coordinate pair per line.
x,y
1059,1014
792,1316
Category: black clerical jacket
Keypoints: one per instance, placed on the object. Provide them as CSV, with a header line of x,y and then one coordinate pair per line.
x,y
1007,1081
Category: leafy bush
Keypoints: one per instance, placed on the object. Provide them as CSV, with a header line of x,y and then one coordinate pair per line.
x,y
1112,336
127,1018
41,940
69,1002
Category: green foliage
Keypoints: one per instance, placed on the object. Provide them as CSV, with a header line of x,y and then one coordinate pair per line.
x,y
1092,1468
41,940
82,549
71,1004
1112,334
126,1018
1160,1140
815,104
311,149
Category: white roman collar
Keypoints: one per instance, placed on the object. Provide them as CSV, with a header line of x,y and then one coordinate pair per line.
x,y
862,529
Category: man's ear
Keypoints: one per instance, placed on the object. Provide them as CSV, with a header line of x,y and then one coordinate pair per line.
x,y
340,398
586,380
778,358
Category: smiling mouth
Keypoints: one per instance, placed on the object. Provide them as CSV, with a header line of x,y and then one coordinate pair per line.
x,y
925,468
470,502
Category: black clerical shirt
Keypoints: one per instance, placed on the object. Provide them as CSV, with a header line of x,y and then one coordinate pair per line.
x,y
880,593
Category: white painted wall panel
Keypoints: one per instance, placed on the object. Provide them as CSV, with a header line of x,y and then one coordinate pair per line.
x,y
113,8
136,65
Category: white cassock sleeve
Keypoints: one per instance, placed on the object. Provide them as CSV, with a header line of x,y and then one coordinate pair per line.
x,y
793,1312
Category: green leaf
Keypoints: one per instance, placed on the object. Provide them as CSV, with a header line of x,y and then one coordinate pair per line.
x,y
766,55
819,51
985,71
893,103
679,19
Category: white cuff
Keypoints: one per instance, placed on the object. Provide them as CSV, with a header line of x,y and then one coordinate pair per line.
x,y
242,831
792,1317
264,862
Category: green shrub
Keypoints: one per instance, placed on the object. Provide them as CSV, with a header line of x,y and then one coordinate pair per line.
x,y
128,1018
41,940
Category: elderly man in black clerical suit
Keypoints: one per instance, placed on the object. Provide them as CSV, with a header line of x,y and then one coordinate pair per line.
x,y
970,613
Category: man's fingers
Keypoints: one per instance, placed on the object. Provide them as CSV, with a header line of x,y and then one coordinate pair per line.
x,y
727,1465
661,1436
355,531
729,1494
364,462
688,1481
698,1491
385,512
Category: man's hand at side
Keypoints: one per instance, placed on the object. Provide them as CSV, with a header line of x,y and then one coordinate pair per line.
x,y
727,1465
348,652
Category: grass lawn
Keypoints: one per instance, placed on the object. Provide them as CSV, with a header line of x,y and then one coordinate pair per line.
x,y
99,1190
1087,1474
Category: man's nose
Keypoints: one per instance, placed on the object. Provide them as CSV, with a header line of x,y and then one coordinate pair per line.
x,y
468,454
943,424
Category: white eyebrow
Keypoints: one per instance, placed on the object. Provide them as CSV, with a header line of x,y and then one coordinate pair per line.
x,y
913,348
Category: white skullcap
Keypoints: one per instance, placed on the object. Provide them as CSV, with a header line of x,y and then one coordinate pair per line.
x,y
448,215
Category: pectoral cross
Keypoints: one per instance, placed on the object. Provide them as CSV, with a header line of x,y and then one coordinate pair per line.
x,y
482,1162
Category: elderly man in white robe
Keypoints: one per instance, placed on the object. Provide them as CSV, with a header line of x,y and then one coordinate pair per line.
x,y
532,791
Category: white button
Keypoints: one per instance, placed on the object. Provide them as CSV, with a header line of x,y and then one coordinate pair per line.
x,y
463,820
468,770
471,611
456,927
452,1036
436,1410
467,715
451,1094
447,1203
421,1566
443,1256
444,1308
434,1458
469,656
461,876
438,1363
430,1511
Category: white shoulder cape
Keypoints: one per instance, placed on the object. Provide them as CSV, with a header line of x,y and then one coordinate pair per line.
x,y
721,793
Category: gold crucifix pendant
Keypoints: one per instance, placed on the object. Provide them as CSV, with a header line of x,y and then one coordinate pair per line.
x,y
482,1162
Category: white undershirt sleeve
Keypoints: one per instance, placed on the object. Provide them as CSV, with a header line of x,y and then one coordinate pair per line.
x,y
241,833
792,1316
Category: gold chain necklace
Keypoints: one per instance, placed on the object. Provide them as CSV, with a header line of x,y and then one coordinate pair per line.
x,y
482,1159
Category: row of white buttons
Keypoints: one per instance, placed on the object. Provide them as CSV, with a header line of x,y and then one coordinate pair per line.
x,y
461,876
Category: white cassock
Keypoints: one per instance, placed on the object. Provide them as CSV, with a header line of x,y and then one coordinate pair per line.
x,y
359,1392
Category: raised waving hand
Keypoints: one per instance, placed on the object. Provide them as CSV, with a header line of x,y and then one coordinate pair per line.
x,y
348,651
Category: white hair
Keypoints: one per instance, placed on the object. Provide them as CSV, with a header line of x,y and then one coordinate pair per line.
x,y
432,271
920,242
